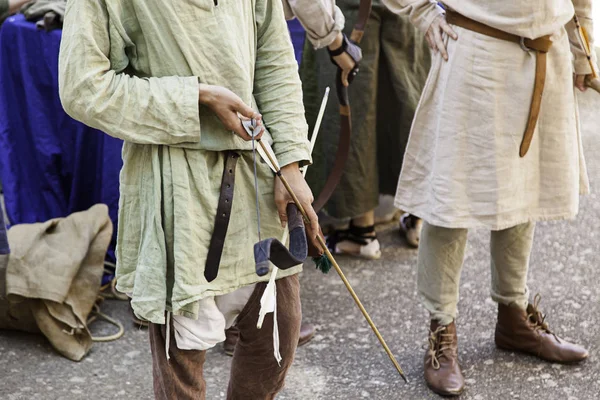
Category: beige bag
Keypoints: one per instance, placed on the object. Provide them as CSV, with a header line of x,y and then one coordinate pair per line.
x,y
53,278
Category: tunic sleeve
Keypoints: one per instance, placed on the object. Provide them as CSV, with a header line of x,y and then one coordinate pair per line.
x,y
321,19
420,12
277,87
583,9
139,110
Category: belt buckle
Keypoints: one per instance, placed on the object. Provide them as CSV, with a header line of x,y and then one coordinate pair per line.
x,y
524,46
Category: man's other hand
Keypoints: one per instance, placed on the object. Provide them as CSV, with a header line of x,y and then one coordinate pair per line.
x,y
282,198
344,61
580,82
434,35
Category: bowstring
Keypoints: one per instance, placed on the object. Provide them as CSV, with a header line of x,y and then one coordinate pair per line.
x,y
256,184
252,133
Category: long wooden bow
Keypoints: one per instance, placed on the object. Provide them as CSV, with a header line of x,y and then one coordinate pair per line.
x,y
343,149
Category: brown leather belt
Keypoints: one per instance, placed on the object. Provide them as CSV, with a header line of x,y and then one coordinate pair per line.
x,y
215,249
540,46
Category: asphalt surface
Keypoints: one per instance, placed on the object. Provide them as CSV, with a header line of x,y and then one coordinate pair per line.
x,y
345,361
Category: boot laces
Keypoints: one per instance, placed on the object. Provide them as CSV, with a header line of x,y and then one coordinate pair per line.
x,y
439,342
538,320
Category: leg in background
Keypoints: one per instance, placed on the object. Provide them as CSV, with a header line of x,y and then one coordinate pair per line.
x,y
510,250
360,239
440,262
441,255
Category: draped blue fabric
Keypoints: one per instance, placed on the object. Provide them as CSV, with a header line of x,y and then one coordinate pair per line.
x,y
297,34
50,164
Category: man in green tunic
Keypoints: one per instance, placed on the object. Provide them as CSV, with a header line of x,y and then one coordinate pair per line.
x,y
171,79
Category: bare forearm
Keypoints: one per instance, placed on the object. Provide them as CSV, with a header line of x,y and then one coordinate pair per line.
x,y
337,42
15,5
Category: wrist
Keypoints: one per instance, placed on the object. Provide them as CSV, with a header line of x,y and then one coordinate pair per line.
x,y
291,168
337,42
205,94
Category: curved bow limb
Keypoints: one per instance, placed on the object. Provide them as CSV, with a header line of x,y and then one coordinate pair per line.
x,y
274,251
343,150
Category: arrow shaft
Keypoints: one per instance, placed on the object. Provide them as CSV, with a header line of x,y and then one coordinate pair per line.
x,y
334,263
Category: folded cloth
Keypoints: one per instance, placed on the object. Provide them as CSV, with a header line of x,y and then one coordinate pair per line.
x,y
48,14
53,278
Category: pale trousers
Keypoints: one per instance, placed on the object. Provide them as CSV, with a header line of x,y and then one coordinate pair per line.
x,y
441,254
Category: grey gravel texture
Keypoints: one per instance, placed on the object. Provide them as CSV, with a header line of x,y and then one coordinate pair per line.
x,y
345,361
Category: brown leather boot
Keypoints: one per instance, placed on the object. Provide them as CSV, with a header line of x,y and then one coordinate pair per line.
x,y
307,332
442,372
527,332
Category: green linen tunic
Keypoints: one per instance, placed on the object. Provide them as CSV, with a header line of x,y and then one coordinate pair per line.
x,y
132,70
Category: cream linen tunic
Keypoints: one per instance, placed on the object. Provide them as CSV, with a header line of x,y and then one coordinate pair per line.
x,y
131,68
462,167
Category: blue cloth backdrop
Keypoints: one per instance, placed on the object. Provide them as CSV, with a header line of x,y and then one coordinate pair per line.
x,y
50,165
297,34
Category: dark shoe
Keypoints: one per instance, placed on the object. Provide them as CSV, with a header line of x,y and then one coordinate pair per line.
x,y
231,337
307,332
442,372
355,241
527,332
411,227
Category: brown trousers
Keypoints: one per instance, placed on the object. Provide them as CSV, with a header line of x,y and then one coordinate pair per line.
x,y
255,373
